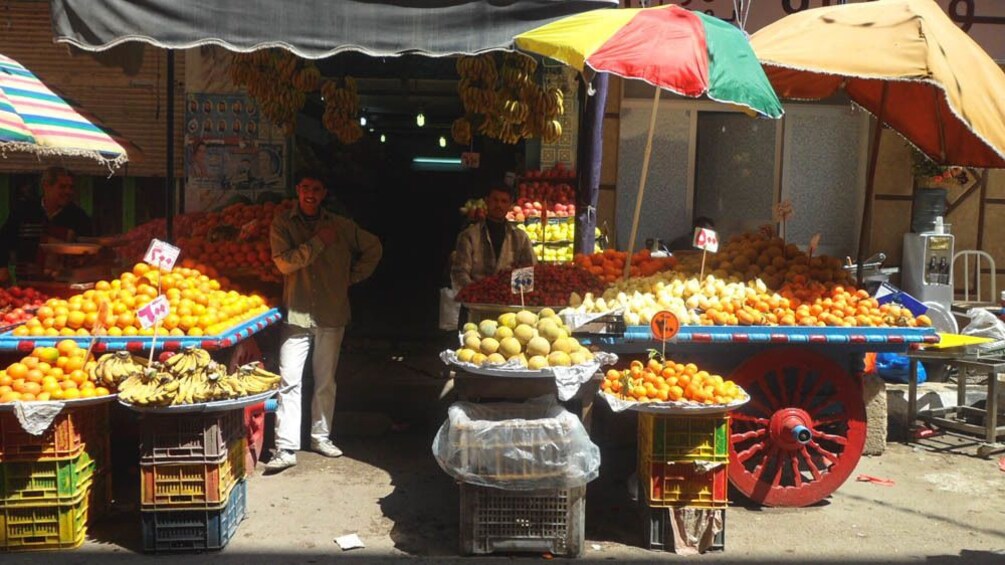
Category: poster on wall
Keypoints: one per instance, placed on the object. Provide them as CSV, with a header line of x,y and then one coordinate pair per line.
x,y
226,159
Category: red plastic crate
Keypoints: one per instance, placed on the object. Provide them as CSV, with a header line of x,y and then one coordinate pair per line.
x,y
254,427
684,484
65,438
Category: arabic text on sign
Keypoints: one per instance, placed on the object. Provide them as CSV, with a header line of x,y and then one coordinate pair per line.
x,y
522,280
154,311
161,254
706,239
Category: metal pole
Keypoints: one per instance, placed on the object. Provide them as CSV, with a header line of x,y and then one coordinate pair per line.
x,y
169,178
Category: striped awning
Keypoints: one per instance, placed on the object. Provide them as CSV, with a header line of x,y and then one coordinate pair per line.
x,y
34,118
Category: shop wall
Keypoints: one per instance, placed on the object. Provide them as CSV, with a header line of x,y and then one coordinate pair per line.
x,y
125,88
606,219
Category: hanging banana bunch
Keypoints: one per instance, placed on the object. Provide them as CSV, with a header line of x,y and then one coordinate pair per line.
x,y
341,115
278,81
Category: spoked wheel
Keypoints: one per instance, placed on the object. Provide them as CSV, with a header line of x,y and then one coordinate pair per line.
x,y
801,434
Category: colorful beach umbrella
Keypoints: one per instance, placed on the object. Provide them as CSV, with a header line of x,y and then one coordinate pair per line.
x,y
33,118
906,62
688,53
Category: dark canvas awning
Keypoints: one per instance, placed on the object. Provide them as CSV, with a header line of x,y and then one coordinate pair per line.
x,y
310,28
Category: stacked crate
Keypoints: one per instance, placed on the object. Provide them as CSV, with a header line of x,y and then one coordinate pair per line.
x,y
52,485
502,520
683,464
192,489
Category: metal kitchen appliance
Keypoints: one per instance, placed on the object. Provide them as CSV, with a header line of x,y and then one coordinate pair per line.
x,y
927,266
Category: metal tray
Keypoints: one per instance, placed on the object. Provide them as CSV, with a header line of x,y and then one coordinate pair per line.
x,y
202,407
9,406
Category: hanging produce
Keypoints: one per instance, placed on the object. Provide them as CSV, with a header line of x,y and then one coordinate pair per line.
x,y
278,81
506,104
341,115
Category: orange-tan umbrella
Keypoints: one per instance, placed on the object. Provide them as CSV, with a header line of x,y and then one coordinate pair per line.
x,y
905,62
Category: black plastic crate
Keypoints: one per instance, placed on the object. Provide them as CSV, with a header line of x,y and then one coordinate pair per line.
x,y
494,520
189,438
167,531
658,533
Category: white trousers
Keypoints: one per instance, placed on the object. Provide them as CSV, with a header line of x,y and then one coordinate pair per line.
x,y
292,358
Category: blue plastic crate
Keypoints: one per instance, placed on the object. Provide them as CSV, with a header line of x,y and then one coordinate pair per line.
x,y
195,530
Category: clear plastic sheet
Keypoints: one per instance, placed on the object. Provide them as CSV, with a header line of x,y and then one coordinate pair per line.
x,y
529,446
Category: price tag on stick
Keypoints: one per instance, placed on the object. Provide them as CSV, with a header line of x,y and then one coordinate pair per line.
x,y
151,315
706,240
521,281
161,254
154,311
664,327
814,244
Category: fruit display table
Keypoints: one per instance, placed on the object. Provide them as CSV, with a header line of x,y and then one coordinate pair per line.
x,y
230,338
800,379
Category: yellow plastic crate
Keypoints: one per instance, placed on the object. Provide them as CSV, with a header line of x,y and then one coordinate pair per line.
x,y
44,526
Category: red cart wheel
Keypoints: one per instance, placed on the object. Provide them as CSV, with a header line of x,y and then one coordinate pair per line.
x,y
801,434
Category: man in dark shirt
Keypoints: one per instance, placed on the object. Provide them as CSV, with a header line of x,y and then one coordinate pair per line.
x,y
54,218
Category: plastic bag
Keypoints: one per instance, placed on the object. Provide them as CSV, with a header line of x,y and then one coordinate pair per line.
x,y
984,324
529,446
896,368
450,309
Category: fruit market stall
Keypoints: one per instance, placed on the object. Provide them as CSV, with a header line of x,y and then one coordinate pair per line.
x,y
791,336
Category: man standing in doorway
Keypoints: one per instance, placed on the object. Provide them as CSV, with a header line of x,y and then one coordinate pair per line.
x,y
320,254
56,218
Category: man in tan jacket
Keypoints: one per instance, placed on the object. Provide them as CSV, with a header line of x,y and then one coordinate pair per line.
x,y
319,254
493,245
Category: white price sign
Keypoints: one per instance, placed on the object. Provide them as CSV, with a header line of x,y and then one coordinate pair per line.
x,y
154,311
161,254
706,239
814,243
522,280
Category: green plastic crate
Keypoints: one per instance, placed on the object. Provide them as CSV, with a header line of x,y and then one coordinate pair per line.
x,y
57,481
684,438
44,526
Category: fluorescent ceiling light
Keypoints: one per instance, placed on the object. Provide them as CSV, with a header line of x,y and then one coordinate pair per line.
x,y
437,160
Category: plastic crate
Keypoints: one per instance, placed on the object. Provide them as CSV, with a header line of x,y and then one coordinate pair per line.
x,y
65,437
100,496
194,530
57,482
538,521
192,484
684,438
684,484
189,438
658,535
44,526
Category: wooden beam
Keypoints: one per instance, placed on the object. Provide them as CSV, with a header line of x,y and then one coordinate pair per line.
x,y
895,197
983,183
959,201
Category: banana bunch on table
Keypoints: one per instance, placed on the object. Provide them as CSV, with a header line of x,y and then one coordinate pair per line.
x,y
190,377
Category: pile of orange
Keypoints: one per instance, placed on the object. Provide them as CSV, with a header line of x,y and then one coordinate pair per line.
x,y
667,381
51,373
609,265
199,306
812,304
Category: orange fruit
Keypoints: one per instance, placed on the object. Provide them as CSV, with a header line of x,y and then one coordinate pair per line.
x,y
67,384
43,396
31,388
140,269
34,376
43,367
75,319
10,397
55,372
17,371
101,391
74,364
71,394
21,331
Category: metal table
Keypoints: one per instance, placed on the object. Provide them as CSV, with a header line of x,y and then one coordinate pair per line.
x,y
968,360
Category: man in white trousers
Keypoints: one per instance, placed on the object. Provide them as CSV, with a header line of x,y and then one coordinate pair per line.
x,y
320,254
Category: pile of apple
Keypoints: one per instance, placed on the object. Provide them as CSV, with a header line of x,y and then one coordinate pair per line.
x,y
474,209
552,285
18,304
558,172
